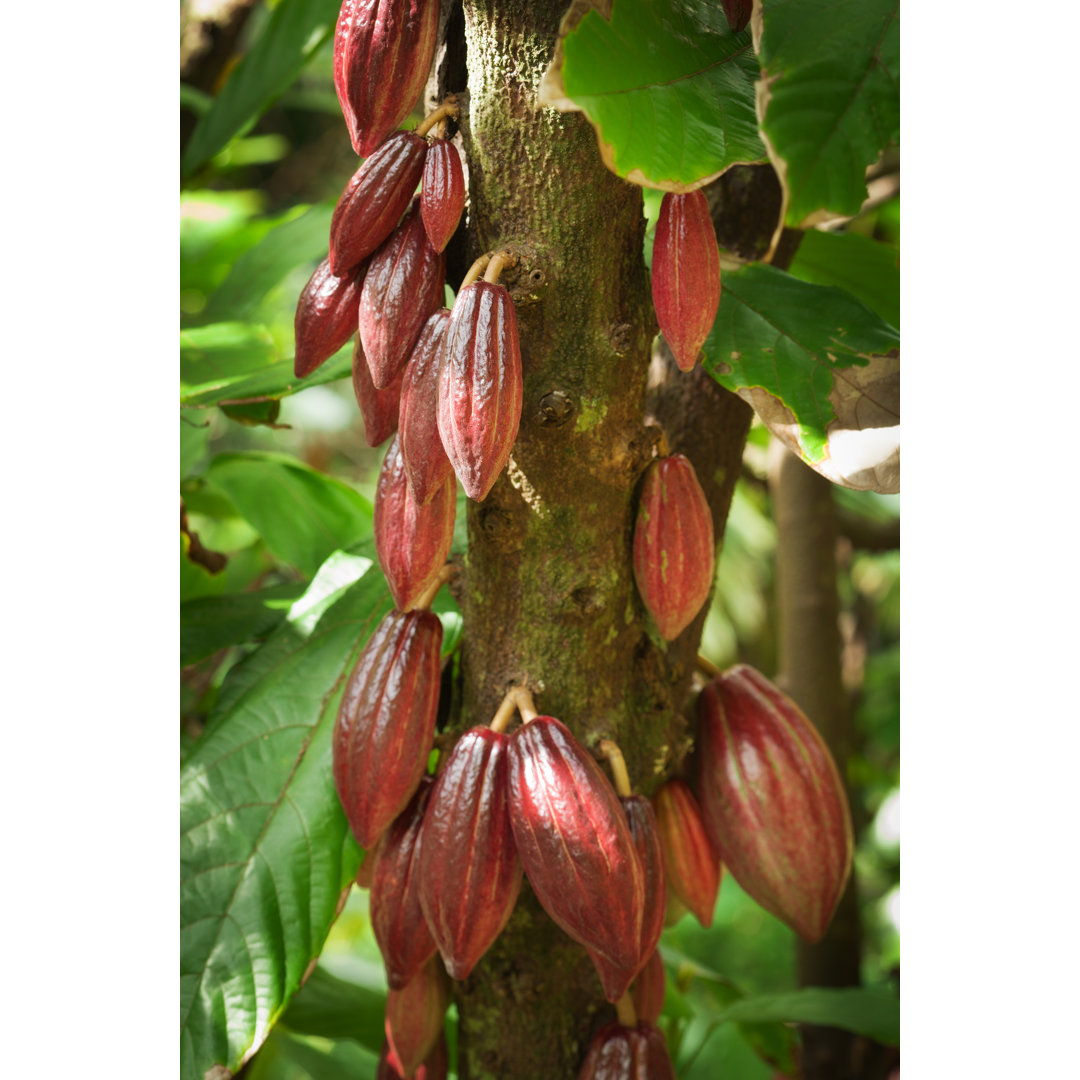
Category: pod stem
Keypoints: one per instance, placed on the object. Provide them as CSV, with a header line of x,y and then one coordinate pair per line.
x,y
447,108
445,574
518,699
499,261
707,667
475,271
624,1007
611,751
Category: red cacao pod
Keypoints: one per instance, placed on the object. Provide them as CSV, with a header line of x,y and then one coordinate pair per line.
x,y
414,1017
379,408
649,989
468,870
397,921
642,821
772,800
426,463
574,841
386,722
411,541
442,197
623,1053
674,550
738,13
690,860
480,386
382,55
685,274
326,316
375,198
435,1067
403,286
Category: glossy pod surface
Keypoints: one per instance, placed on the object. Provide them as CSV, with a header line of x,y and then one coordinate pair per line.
x,y
690,860
442,198
623,1053
379,408
326,316
414,1017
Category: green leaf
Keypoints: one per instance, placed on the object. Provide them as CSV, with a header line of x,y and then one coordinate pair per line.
x,y
830,97
301,514
265,851
668,87
820,368
338,1009
194,442
293,34
210,623
869,271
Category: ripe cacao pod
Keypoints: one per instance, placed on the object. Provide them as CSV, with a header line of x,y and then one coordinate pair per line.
x,y
379,408
386,721
772,800
435,1067
623,1053
375,198
326,316
382,55
403,286
411,541
738,13
426,463
467,870
574,841
442,197
642,821
673,545
414,1017
397,920
480,386
649,989
690,860
685,274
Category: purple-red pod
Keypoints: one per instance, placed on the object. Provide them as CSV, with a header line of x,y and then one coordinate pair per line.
x,y
326,316
402,287
442,198
435,1067
649,989
738,13
690,860
414,1017
624,1053
375,198
379,408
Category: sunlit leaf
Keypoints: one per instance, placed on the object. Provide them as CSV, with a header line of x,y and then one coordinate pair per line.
x,y
338,1009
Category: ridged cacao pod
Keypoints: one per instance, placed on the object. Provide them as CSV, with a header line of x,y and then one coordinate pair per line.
x,y
691,862
414,1017
426,463
674,550
411,541
326,316
435,1067
685,274
397,920
375,198
403,286
386,722
382,55
772,800
649,989
574,841
642,821
738,13
622,1053
480,386
468,870
379,408
442,197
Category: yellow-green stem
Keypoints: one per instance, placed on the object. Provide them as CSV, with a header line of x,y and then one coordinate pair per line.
x,y
445,574
611,751
475,271
627,1014
447,108
707,667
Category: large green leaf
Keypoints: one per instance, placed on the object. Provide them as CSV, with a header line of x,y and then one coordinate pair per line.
x,y
265,851
338,1009
668,87
301,514
821,369
830,98
293,34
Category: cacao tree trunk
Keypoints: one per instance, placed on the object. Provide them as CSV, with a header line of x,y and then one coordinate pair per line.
x,y
547,590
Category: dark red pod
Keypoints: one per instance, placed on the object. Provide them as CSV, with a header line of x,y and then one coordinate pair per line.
x,y
382,55
435,1066
442,197
386,722
426,464
738,13
411,541
379,408
375,198
685,274
480,386
574,841
397,921
690,860
674,551
623,1053
649,989
414,1017
468,871
326,316
403,286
